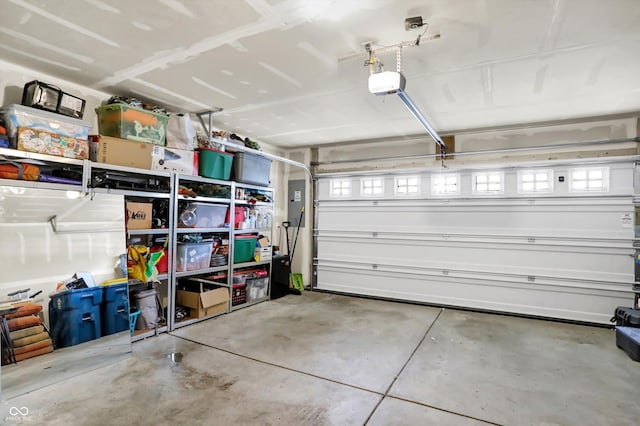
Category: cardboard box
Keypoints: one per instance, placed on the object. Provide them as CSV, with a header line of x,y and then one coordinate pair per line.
x,y
173,160
262,253
204,304
139,215
263,242
121,152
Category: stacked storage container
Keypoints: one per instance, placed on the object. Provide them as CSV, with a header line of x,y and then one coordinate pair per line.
x,y
74,316
115,309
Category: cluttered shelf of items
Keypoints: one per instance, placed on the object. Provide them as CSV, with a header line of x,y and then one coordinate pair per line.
x,y
191,205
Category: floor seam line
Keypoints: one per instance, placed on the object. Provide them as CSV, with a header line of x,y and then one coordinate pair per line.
x,y
386,393
411,401
277,365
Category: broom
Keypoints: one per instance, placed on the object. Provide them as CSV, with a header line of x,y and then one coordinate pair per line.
x,y
295,279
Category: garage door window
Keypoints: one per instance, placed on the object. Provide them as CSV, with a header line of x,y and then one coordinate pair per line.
x,y
535,181
371,187
488,183
340,188
407,185
592,179
445,184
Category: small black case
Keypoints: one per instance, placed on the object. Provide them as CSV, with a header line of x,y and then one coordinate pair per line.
x,y
627,317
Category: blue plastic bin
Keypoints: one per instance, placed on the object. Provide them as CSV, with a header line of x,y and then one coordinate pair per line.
x,y
115,309
74,316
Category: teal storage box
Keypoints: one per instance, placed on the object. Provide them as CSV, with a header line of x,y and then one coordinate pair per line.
x,y
215,164
243,248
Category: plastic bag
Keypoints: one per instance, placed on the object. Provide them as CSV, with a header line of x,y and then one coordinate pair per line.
x,y
137,263
180,132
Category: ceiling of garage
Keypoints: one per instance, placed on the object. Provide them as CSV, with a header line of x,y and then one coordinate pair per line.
x,y
278,67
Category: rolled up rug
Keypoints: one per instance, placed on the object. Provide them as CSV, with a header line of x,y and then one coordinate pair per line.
x,y
23,322
32,347
25,332
31,354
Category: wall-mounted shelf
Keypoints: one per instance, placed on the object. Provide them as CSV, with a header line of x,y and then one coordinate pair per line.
x,y
163,231
201,230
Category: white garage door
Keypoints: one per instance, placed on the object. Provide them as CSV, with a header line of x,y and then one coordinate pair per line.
x,y
554,240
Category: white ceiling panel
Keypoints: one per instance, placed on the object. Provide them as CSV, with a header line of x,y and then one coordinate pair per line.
x,y
290,72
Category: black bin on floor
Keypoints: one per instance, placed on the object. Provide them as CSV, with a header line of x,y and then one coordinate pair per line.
x,y
280,271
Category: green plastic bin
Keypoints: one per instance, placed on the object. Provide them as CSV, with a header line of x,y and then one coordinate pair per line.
x,y
215,164
126,122
243,249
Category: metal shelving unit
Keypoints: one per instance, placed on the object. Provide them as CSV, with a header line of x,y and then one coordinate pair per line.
x,y
102,178
268,231
44,161
178,232
167,188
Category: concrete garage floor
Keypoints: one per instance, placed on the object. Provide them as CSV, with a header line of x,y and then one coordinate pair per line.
x,y
322,359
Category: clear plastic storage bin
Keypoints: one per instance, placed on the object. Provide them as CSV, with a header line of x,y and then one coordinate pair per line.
x,y
193,256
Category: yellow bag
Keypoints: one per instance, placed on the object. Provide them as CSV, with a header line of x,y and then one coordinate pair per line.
x,y
137,262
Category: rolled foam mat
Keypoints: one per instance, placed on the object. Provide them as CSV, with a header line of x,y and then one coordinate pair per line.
x,y
26,309
32,347
25,332
23,322
30,339
31,354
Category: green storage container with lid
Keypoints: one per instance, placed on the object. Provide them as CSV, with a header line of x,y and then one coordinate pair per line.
x,y
215,164
243,248
127,122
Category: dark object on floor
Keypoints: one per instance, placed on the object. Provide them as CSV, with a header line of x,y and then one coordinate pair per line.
x,y
627,317
281,270
628,339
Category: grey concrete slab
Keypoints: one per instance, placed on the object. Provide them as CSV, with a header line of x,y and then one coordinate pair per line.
x,y
172,381
394,411
520,371
61,364
361,342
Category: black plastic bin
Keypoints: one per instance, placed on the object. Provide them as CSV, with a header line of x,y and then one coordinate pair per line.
x,y
280,271
628,339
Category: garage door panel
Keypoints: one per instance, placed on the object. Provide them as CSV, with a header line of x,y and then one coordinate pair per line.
x,y
564,255
554,301
595,221
613,264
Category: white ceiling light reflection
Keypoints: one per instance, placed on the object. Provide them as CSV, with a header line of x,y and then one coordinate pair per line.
x,y
73,195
